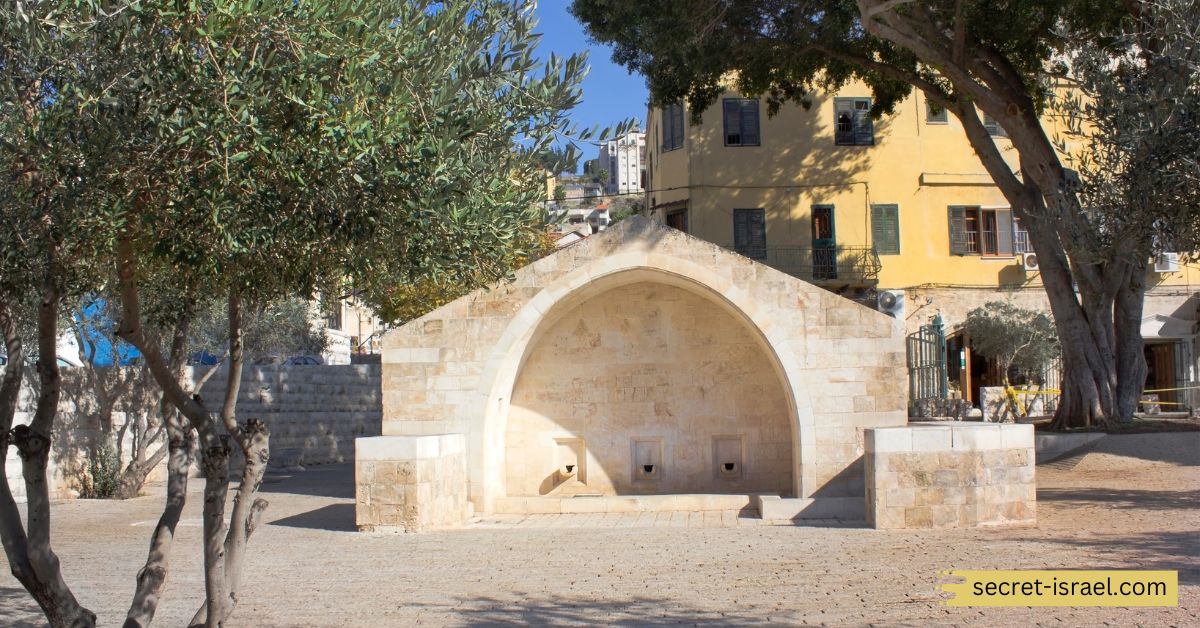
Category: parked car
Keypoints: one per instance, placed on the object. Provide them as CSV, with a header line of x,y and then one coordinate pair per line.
x,y
63,363
295,360
203,358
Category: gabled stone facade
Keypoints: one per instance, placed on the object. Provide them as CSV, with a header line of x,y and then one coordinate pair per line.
x,y
643,361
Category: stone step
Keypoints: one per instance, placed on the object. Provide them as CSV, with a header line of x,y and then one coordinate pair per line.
x,y
625,503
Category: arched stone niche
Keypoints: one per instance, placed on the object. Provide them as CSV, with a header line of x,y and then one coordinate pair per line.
x,y
653,370
829,368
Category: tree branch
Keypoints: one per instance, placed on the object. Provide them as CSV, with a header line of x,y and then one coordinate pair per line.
x,y
870,9
132,332
233,378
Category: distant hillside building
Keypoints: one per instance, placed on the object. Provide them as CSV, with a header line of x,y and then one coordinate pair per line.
x,y
623,158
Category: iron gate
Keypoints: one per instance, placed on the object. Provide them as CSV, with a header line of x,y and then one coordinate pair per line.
x,y
927,378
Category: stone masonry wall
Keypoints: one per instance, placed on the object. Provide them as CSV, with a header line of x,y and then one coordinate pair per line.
x,y
314,414
955,303
410,484
951,476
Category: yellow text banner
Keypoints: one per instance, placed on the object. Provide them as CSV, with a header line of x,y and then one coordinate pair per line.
x,y
1062,588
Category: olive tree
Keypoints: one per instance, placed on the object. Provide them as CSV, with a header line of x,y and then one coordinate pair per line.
x,y
1017,339
45,258
257,151
110,388
969,58
1132,108
285,327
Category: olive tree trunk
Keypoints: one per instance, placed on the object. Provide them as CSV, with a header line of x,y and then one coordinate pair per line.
x,y
180,436
224,549
30,555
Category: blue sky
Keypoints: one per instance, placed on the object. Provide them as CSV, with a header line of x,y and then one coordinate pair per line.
x,y
610,93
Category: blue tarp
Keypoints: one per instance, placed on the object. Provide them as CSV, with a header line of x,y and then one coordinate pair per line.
x,y
97,329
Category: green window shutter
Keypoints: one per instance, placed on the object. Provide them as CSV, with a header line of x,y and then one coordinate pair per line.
x,y
958,230
885,229
672,126
1004,232
665,143
741,229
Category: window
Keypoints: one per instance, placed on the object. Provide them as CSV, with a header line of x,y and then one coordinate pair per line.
x,y
979,231
1020,238
933,115
853,118
678,219
672,126
993,128
885,229
750,233
741,121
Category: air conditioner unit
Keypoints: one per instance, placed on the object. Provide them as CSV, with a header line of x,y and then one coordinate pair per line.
x,y
891,302
1029,262
1166,263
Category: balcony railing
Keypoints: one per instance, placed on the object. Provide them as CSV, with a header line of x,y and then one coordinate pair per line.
x,y
844,264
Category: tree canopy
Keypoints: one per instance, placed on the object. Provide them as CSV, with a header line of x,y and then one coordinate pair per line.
x,y
998,59
785,49
1017,338
250,152
1132,108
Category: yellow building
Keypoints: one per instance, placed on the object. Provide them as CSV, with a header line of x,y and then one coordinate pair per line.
x,y
897,213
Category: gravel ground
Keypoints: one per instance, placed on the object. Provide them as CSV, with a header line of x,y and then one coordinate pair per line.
x,y
1131,502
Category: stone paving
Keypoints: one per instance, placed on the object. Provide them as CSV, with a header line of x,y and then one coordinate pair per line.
x,y
1132,502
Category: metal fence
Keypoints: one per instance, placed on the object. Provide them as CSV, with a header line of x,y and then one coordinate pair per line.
x,y
853,264
926,356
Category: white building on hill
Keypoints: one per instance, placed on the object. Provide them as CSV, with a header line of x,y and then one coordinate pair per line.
x,y
623,158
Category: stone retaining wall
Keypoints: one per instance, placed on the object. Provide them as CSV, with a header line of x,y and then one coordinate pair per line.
x,y
314,414
950,476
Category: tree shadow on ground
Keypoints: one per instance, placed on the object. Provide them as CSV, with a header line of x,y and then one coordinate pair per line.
x,y
1178,551
334,518
19,610
1177,448
564,611
1120,498
333,480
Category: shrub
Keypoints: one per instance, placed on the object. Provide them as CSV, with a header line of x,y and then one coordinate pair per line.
x,y
103,474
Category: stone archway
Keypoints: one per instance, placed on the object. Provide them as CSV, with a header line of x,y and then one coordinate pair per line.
x,y
449,376
654,371
486,444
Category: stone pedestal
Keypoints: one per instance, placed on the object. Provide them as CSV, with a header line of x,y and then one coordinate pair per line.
x,y
955,475
410,483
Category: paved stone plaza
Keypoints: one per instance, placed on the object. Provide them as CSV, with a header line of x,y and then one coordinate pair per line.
x,y
1133,502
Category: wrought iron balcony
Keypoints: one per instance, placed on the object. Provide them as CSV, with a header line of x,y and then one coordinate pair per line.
x,y
840,264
